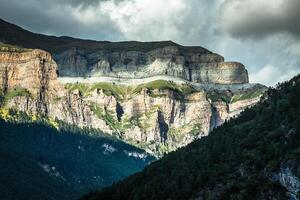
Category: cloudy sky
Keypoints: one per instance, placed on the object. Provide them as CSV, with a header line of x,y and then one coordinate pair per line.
x,y
264,35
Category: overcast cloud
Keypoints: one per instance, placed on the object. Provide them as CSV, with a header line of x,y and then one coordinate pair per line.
x,y
264,35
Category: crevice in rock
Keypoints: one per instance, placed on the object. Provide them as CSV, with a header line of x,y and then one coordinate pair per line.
x,y
5,80
190,74
69,106
206,76
81,106
172,115
4,86
182,107
44,81
163,127
119,111
215,118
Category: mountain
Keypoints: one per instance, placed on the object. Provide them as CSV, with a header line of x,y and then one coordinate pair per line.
x,y
76,57
39,161
158,113
158,96
254,156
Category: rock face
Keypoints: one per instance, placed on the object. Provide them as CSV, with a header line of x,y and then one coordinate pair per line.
x,y
28,73
132,59
197,66
29,69
159,116
288,177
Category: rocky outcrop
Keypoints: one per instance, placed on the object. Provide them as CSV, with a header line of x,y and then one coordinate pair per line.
x,y
201,67
288,177
30,73
28,69
159,116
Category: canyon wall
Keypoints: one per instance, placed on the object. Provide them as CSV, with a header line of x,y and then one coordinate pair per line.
x,y
159,115
196,66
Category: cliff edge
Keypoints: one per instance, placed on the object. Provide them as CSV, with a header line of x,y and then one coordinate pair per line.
x,y
158,114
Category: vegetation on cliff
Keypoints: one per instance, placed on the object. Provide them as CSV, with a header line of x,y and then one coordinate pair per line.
x,y
183,92
123,92
10,94
230,97
235,161
12,48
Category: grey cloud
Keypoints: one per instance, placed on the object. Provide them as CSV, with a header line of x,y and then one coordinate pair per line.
x,y
195,24
76,3
264,35
83,3
258,19
54,17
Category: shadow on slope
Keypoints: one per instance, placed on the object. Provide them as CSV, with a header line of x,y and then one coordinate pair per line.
x,y
40,162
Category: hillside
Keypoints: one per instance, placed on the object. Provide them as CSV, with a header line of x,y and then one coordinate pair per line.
x,y
16,35
55,161
254,156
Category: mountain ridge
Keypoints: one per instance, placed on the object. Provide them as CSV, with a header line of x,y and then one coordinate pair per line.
x,y
12,34
159,116
76,57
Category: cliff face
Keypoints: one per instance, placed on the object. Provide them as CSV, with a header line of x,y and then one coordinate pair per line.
x,y
132,59
196,66
158,115
27,68
29,74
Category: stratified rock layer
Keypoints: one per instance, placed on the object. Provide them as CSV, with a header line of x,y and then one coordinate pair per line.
x,y
159,116
130,59
196,66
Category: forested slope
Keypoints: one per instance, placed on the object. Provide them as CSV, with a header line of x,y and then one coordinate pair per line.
x,y
255,156
39,161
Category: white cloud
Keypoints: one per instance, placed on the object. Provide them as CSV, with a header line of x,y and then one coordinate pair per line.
x,y
138,19
270,75
183,21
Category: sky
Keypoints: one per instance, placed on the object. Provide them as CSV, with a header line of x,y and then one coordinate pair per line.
x,y
263,35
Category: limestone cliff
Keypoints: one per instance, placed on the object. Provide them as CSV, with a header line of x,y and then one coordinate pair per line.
x,y
158,115
28,73
196,66
129,59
